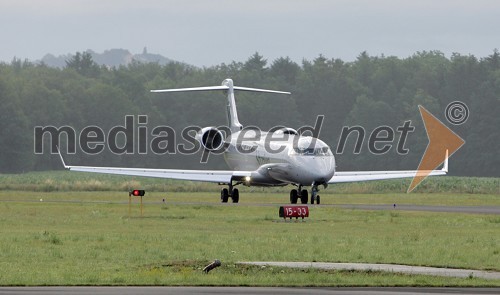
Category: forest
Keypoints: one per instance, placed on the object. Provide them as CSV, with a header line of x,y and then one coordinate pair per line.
x,y
370,91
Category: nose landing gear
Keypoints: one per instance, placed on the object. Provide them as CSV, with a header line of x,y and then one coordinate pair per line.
x,y
314,194
315,198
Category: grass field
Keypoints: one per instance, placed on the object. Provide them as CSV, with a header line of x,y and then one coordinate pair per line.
x,y
89,238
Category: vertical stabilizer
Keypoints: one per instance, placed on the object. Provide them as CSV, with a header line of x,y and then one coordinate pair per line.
x,y
232,114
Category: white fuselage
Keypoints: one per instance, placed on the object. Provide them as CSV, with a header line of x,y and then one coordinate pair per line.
x,y
280,159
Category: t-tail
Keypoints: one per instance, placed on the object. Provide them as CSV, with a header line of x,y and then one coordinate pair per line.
x,y
228,87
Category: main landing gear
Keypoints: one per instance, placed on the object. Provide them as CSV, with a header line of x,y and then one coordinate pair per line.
x,y
231,192
302,194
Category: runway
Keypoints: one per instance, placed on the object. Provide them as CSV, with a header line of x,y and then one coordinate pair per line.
x,y
241,290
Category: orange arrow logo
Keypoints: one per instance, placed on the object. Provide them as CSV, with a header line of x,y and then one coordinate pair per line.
x,y
441,139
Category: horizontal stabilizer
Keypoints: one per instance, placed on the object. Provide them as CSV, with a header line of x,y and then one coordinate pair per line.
x,y
229,88
222,87
207,88
260,90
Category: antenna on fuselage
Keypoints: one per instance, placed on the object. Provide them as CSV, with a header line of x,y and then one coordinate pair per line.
x,y
227,86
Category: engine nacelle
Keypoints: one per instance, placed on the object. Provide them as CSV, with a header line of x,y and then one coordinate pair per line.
x,y
210,138
286,130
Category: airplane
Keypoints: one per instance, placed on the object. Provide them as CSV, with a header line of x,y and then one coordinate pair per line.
x,y
296,159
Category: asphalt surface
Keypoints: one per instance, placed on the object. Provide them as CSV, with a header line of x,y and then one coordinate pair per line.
x,y
239,290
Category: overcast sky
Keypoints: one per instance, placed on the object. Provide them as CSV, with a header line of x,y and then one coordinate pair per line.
x,y
206,33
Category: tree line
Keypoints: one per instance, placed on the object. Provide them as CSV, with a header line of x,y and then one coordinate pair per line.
x,y
369,92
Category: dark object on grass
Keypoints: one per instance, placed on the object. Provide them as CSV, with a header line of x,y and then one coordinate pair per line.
x,y
212,265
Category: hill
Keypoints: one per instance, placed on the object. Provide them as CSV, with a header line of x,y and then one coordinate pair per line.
x,y
110,58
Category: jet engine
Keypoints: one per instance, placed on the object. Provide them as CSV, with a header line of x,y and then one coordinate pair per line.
x,y
210,138
286,130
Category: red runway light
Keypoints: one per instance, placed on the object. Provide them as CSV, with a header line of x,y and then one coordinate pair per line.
x,y
138,192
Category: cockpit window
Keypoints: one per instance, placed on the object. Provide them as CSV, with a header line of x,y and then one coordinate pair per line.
x,y
320,151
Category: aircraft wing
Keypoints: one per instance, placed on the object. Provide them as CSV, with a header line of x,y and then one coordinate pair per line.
x,y
216,176
353,176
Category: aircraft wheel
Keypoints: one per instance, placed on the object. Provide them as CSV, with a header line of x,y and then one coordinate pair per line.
x,y
293,196
235,196
317,200
304,196
313,196
224,195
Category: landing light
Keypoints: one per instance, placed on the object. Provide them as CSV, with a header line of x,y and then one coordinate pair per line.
x,y
247,178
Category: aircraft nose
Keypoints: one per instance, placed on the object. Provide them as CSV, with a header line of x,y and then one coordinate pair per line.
x,y
325,169
316,169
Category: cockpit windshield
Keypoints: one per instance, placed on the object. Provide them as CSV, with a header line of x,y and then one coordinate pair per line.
x,y
319,151
309,146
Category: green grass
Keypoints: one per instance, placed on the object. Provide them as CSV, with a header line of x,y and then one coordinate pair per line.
x,y
81,232
94,241
250,196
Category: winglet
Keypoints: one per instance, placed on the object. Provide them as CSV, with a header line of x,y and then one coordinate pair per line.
x,y
445,164
62,160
